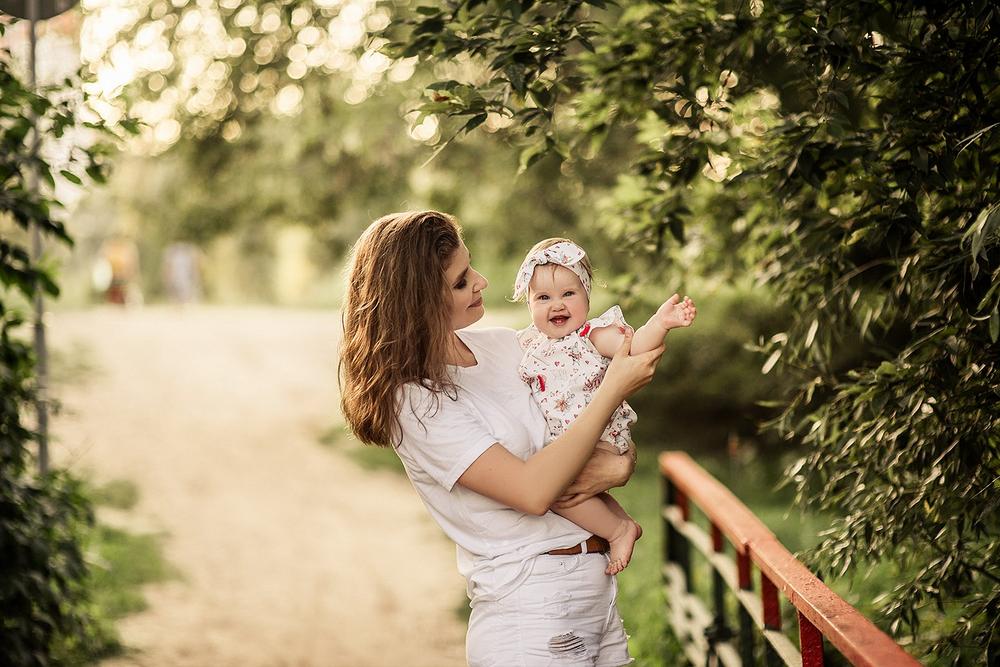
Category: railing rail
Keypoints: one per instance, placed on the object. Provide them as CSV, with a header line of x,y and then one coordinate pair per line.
x,y
707,636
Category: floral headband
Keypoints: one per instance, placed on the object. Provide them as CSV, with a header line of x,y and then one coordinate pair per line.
x,y
564,253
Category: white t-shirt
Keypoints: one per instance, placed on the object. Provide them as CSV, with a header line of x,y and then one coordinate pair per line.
x,y
442,436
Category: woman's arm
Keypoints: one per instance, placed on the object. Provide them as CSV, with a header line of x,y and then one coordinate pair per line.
x,y
532,486
605,470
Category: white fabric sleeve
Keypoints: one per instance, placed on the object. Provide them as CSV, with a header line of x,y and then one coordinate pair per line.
x,y
612,316
441,435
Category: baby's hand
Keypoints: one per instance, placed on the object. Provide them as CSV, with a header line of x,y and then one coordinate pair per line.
x,y
676,312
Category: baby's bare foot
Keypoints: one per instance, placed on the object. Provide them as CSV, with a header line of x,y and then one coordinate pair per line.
x,y
622,543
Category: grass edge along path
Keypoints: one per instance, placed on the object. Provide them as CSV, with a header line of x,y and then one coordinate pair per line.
x,y
120,563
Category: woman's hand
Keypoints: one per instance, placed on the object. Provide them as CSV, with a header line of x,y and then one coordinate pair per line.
x,y
627,374
604,470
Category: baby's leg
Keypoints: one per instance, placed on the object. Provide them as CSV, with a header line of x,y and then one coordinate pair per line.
x,y
609,500
619,511
597,517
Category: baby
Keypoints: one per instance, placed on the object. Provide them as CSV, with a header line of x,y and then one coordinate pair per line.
x,y
565,357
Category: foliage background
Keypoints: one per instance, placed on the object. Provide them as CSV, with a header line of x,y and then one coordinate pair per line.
x,y
820,176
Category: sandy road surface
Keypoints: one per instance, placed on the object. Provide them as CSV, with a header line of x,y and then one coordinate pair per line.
x,y
289,553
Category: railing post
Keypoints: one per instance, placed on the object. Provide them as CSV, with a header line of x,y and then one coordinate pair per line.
x,y
668,529
746,621
719,630
682,548
772,617
810,643
676,547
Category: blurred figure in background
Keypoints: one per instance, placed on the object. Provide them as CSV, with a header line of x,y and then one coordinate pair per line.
x,y
181,272
116,272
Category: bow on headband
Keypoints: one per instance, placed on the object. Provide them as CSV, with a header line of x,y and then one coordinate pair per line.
x,y
563,253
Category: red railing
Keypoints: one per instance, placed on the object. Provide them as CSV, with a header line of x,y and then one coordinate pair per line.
x,y
708,637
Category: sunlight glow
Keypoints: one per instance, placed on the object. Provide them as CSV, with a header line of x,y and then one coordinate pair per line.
x,y
168,131
402,70
288,100
426,130
356,94
186,56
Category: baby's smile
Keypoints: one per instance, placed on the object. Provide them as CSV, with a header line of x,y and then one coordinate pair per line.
x,y
559,320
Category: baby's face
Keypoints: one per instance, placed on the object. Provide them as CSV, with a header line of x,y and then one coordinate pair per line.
x,y
557,300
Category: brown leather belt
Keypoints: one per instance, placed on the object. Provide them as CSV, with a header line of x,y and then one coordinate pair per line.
x,y
595,545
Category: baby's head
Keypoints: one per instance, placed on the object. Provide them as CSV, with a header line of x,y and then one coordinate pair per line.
x,y
555,278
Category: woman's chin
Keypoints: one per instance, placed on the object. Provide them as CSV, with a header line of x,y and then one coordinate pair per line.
x,y
472,315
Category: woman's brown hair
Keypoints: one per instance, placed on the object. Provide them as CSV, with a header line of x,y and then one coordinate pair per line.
x,y
397,325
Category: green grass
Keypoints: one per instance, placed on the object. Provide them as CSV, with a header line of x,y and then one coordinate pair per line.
x,y
126,562
121,563
640,593
118,493
366,457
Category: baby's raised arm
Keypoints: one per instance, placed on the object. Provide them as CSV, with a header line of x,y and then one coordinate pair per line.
x,y
672,313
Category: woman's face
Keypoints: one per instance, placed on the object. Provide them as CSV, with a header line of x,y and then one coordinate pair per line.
x,y
466,286
557,300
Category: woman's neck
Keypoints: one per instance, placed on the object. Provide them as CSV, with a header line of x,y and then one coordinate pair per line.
x,y
459,353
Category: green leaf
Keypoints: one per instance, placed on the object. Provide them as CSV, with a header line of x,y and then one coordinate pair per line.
x,y
771,361
474,122
71,177
676,228
431,26
515,75
994,325
531,154
886,368
131,125
811,334
45,174
542,96
96,173
448,84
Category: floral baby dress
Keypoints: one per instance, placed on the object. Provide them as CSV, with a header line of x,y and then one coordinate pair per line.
x,y
565,372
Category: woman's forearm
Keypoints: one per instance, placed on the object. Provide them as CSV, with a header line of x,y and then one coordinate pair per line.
x,y
531,486
550,471
605,470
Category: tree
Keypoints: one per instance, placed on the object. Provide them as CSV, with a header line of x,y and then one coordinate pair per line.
x,y
45,616
845,149
218,100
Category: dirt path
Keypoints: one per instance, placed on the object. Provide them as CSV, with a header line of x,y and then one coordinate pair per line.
x,y
289,553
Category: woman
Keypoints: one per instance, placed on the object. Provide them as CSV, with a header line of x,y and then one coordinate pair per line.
x,y
470,436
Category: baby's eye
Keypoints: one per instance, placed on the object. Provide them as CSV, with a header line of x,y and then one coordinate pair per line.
x,y
461,284
542,297
569,293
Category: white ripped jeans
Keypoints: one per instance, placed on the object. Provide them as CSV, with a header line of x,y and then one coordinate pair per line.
x,y
562,615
